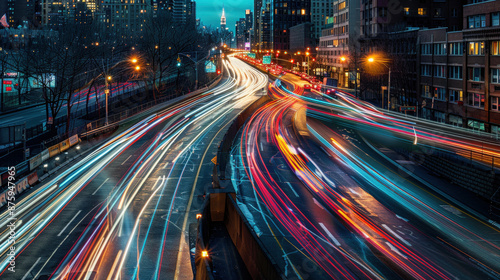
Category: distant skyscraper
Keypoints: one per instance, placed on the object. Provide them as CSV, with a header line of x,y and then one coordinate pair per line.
x,y
223,19
20,11
124,18
285,14
257,6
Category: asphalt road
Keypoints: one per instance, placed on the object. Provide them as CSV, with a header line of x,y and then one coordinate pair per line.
x,y
330,206
125,209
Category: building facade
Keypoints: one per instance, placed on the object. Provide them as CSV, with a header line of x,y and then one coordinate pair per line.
x,y
338,40
459,72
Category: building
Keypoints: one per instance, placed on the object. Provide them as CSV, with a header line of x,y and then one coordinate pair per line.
x,y
459,72
244,29
321,10
339,39
257,23
382,17
240,27
125,19
301,38
223,19
21,11
285,14
249,25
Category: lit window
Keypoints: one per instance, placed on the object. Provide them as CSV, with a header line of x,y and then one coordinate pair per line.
x,y
407,10
303,11
422,11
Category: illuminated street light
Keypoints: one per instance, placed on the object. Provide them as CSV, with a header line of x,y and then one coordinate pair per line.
x,y
138,68
198,216
370,59
342,59
134,60
204,254
109,78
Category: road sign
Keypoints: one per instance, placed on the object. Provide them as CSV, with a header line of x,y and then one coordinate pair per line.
x,y
408,108
210,67
252,55
50,121
266,59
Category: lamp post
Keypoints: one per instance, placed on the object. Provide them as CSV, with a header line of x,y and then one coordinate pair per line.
x,y
195,64
371,60
106,93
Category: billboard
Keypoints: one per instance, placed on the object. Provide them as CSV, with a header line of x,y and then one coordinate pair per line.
x,y
47,80
266,59
210,67
247,46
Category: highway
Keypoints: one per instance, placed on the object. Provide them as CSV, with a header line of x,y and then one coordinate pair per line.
x,y
328,205
123,210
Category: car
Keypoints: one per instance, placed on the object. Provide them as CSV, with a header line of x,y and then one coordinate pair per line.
x,y
307,87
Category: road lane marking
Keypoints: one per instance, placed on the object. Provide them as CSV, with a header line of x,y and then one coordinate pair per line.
x,y
294,192
125,160
399,217
29,271
396,235
180,255
335,241
100,186
395,250
354,192
60,244
317,203
110,275
74,217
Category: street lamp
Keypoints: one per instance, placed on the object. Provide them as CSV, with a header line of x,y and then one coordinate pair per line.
x,y
106,93
371,59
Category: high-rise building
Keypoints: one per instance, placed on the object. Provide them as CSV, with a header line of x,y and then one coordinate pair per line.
x,y
320,11
22,12
285,14
240,27
248,25
338,39
125,18
256,26
223,19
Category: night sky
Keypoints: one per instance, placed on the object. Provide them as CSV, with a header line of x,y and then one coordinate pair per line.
x,y
209,11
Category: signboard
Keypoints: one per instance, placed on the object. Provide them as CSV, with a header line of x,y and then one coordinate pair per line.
x,y
247,46
210,67
64,145
22,185
54,150
408,108
45,80
73,140
266,59
252,55
32,178
35,161
304,64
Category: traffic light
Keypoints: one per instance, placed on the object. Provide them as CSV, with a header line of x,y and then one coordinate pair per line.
x,y
218,72
291,60
178,61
